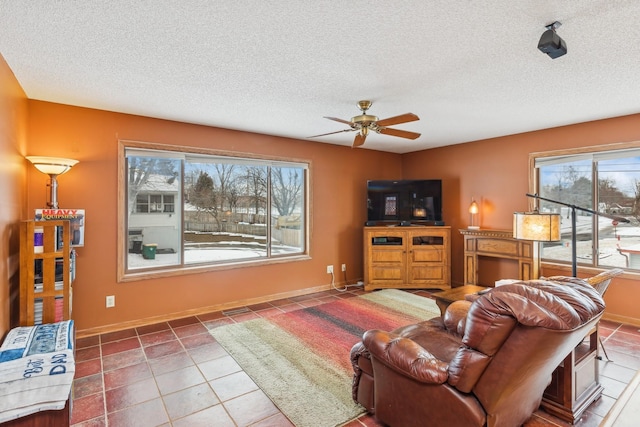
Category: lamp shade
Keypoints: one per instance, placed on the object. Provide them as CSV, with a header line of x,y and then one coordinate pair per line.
x,y
52,165
542,227
473,207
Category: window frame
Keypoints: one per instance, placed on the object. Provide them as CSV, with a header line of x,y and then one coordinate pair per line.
x,y
574,153
124,275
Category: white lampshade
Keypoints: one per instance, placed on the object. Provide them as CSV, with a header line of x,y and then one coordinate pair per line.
x,y
52,165
542,227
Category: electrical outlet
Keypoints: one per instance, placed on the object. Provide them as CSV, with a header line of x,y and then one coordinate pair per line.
x,y
329,269
344,267
111,301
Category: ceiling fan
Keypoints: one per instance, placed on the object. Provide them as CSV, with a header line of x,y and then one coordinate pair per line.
x,y
364,123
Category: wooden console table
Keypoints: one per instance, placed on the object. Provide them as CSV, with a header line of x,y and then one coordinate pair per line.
x,y
498,244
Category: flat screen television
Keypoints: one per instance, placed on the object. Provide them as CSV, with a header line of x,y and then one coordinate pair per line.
x,y
404,202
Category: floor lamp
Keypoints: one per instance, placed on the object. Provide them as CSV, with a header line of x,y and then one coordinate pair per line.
x,y
574,257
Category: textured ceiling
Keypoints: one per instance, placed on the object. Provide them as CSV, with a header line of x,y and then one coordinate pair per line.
x,y
470,69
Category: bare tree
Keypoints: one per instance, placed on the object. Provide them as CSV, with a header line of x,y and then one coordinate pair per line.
x,y
203,196
286,187
256,180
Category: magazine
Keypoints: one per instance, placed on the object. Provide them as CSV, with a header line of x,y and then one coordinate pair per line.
x,y
74,216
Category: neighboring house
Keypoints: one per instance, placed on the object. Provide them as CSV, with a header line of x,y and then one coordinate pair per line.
x,y
153,218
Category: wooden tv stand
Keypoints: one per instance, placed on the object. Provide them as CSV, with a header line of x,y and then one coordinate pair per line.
x,y
407,257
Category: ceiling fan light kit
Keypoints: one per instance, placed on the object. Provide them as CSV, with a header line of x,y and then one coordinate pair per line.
x,y
364,123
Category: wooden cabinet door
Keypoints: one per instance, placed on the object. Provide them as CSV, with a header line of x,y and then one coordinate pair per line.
x,y
428,258
385,258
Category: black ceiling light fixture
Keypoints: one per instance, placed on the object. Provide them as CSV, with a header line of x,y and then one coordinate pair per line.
x,y
551,43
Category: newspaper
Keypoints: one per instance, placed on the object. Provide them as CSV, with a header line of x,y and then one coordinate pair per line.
x,y
37,367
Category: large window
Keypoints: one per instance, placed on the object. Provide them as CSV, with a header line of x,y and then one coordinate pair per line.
x,y
199,209
606,181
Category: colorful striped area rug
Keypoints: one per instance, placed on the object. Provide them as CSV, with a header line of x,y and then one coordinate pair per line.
x,y
301,359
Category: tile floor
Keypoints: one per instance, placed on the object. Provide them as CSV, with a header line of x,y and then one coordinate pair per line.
x,y
175,374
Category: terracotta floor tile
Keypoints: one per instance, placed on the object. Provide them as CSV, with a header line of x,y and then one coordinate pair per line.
x,y
243,317
118,335
273,311
622,343
280,302
190,400
178,380
616,371
159,337
233,385
171,362
203,418
312,303
212,324
87,342
156,327
130,395
151,413
120,346
277,420
210,316
291,307
126,358
630,329
602,406
90,367
164,349
95,422
207,352
198,340
87,407
624,359
87,353
183,322
88,385
260,306
218,368
261,408
127,375
194,329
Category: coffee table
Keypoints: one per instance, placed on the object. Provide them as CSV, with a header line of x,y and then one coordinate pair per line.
x,y
445,298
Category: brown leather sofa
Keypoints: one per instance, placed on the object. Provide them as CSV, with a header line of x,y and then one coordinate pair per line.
x,y
485,362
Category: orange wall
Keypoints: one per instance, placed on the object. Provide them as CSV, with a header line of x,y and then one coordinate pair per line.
x,y
13,141
338,184
495,172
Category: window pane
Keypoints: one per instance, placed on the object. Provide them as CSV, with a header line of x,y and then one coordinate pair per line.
x,y
570,183
149,179
168,203
618,188
199,208
287,208
224,213
142,203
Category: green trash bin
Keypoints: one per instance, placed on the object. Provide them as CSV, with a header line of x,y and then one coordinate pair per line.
x,y
149,250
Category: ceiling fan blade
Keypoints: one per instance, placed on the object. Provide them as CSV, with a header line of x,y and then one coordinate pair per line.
x,y
403,118
335,119
398,132
359,140
331,133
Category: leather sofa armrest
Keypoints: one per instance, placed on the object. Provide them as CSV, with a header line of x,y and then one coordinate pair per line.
x,y
455,316
406,357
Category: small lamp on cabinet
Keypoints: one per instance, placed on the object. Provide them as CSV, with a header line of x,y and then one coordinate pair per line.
x,y
52,166
473,213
